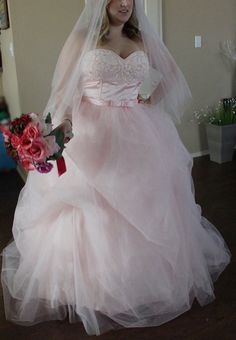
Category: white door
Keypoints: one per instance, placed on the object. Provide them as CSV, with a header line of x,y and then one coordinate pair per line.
x,y
153,9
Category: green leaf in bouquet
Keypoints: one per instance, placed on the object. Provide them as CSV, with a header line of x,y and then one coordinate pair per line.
x,y
48,119
59,134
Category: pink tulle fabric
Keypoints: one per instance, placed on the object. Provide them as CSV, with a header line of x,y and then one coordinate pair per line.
x,y
118,240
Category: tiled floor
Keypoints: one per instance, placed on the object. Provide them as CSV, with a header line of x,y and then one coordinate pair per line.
x,y
215,191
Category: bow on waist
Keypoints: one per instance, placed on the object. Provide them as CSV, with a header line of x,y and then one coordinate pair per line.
x,y
124,103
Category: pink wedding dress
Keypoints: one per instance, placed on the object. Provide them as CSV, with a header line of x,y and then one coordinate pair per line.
x,y
118,240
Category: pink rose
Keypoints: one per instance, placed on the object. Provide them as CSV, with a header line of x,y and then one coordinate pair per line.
x,y
15,141
27,165
26,143
23,154
31,131
38,150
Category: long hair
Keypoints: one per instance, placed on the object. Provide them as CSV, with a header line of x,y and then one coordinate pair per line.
x,y
131,27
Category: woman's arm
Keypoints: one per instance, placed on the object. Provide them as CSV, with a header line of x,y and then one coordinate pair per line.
x,y
65,71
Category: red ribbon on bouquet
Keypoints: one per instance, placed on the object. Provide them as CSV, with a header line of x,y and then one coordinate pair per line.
x,y
61,166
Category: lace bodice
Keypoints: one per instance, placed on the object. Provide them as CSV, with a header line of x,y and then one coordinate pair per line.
x,y
107,76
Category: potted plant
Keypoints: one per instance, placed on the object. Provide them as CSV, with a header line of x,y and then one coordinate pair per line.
x,y
220,122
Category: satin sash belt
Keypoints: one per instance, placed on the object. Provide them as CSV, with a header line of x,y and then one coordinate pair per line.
x,y
101,102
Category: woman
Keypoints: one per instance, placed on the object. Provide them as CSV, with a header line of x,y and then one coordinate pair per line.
x,y
118,240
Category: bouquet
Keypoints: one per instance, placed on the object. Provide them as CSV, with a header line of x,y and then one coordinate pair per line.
x,y
31,141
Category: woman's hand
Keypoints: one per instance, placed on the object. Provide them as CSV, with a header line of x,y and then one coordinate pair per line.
x,y
66,127
144,100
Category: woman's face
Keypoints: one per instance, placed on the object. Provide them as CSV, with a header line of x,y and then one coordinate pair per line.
x,y
119,11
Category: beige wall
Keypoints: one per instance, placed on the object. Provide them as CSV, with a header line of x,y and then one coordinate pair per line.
x,y
9,75
39,29
208,76
1,89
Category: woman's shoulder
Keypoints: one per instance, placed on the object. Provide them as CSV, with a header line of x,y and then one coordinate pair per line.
x,y
139,43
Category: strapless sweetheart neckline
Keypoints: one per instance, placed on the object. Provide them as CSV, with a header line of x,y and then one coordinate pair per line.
x,y
117,55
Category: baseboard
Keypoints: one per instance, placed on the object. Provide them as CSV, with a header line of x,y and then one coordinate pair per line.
x,y
200,153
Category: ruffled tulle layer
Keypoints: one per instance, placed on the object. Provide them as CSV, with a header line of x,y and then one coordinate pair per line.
x,y
118,240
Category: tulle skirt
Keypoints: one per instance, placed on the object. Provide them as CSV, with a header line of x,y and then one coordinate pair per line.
x,y
118,240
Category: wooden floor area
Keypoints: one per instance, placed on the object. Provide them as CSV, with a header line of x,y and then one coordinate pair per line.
x,y
215,191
